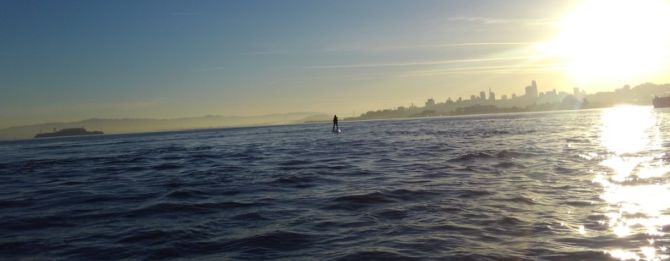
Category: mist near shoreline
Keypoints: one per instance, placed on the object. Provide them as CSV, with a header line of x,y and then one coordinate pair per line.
x,y
129,125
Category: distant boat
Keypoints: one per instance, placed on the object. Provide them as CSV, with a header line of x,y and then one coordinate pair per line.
x,y
661,102
67,132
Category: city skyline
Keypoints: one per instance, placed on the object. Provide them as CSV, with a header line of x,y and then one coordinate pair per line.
x,y
533,99
67,61
532,91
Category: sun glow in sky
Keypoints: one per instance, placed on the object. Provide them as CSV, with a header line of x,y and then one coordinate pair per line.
x,y
618,40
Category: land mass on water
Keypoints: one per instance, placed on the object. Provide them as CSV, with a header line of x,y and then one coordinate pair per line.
x,y
531,101
130,125
67,132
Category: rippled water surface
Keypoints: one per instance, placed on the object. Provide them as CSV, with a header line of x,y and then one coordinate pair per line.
x,y
583,185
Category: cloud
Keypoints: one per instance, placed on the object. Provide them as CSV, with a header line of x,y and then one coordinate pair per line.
x,y
509,69
479,19
491,20
386,48
446,45
419,63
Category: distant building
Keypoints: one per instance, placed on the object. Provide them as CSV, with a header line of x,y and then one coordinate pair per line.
x,y
575,91
531,91
473,97
430,103
449,101
460,99
492,95
503,97
482,95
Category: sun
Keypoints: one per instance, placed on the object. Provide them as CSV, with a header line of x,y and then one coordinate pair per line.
x,y
614,40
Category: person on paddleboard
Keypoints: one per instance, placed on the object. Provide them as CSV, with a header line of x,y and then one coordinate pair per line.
x,y
336,127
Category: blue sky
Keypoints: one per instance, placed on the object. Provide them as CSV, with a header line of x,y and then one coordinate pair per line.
x,y
71,60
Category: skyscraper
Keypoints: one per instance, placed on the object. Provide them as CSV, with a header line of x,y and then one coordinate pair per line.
x,y
531,91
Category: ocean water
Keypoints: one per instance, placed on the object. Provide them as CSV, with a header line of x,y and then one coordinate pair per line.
x,y
578,185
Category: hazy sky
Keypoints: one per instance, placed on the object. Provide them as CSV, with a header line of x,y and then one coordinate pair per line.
x,y
71,60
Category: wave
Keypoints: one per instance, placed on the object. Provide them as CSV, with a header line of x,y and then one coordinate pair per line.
x,y
489,155
186,194
509,221
472,156
579,203
393,214
276,240
185,208
295,163
473,193
15,203
376,255
35,223
167,166
509,165
364,199
518,199
250,217
358,201
507,154
302,180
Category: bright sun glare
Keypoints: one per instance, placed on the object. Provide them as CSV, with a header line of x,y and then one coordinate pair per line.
x,y
614,40
637,201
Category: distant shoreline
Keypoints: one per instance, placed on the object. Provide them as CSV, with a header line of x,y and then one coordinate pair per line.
x,y
140,125
531,101
503,111
325,122
156,132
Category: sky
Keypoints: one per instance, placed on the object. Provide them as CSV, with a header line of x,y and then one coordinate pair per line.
x,y
72,60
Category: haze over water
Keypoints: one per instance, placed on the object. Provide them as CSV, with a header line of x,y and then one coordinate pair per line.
x,y
560,185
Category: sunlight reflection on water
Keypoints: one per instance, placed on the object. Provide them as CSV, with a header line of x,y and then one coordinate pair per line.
x,y
636,198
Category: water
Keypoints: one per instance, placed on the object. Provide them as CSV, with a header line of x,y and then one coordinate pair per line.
x,y
584,185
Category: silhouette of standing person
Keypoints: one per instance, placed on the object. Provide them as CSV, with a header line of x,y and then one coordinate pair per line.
x,y
336,127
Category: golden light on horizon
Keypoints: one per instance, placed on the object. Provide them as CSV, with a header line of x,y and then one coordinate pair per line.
x,y
613,40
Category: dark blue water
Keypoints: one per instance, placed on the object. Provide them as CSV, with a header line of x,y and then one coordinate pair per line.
x,y
584,185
